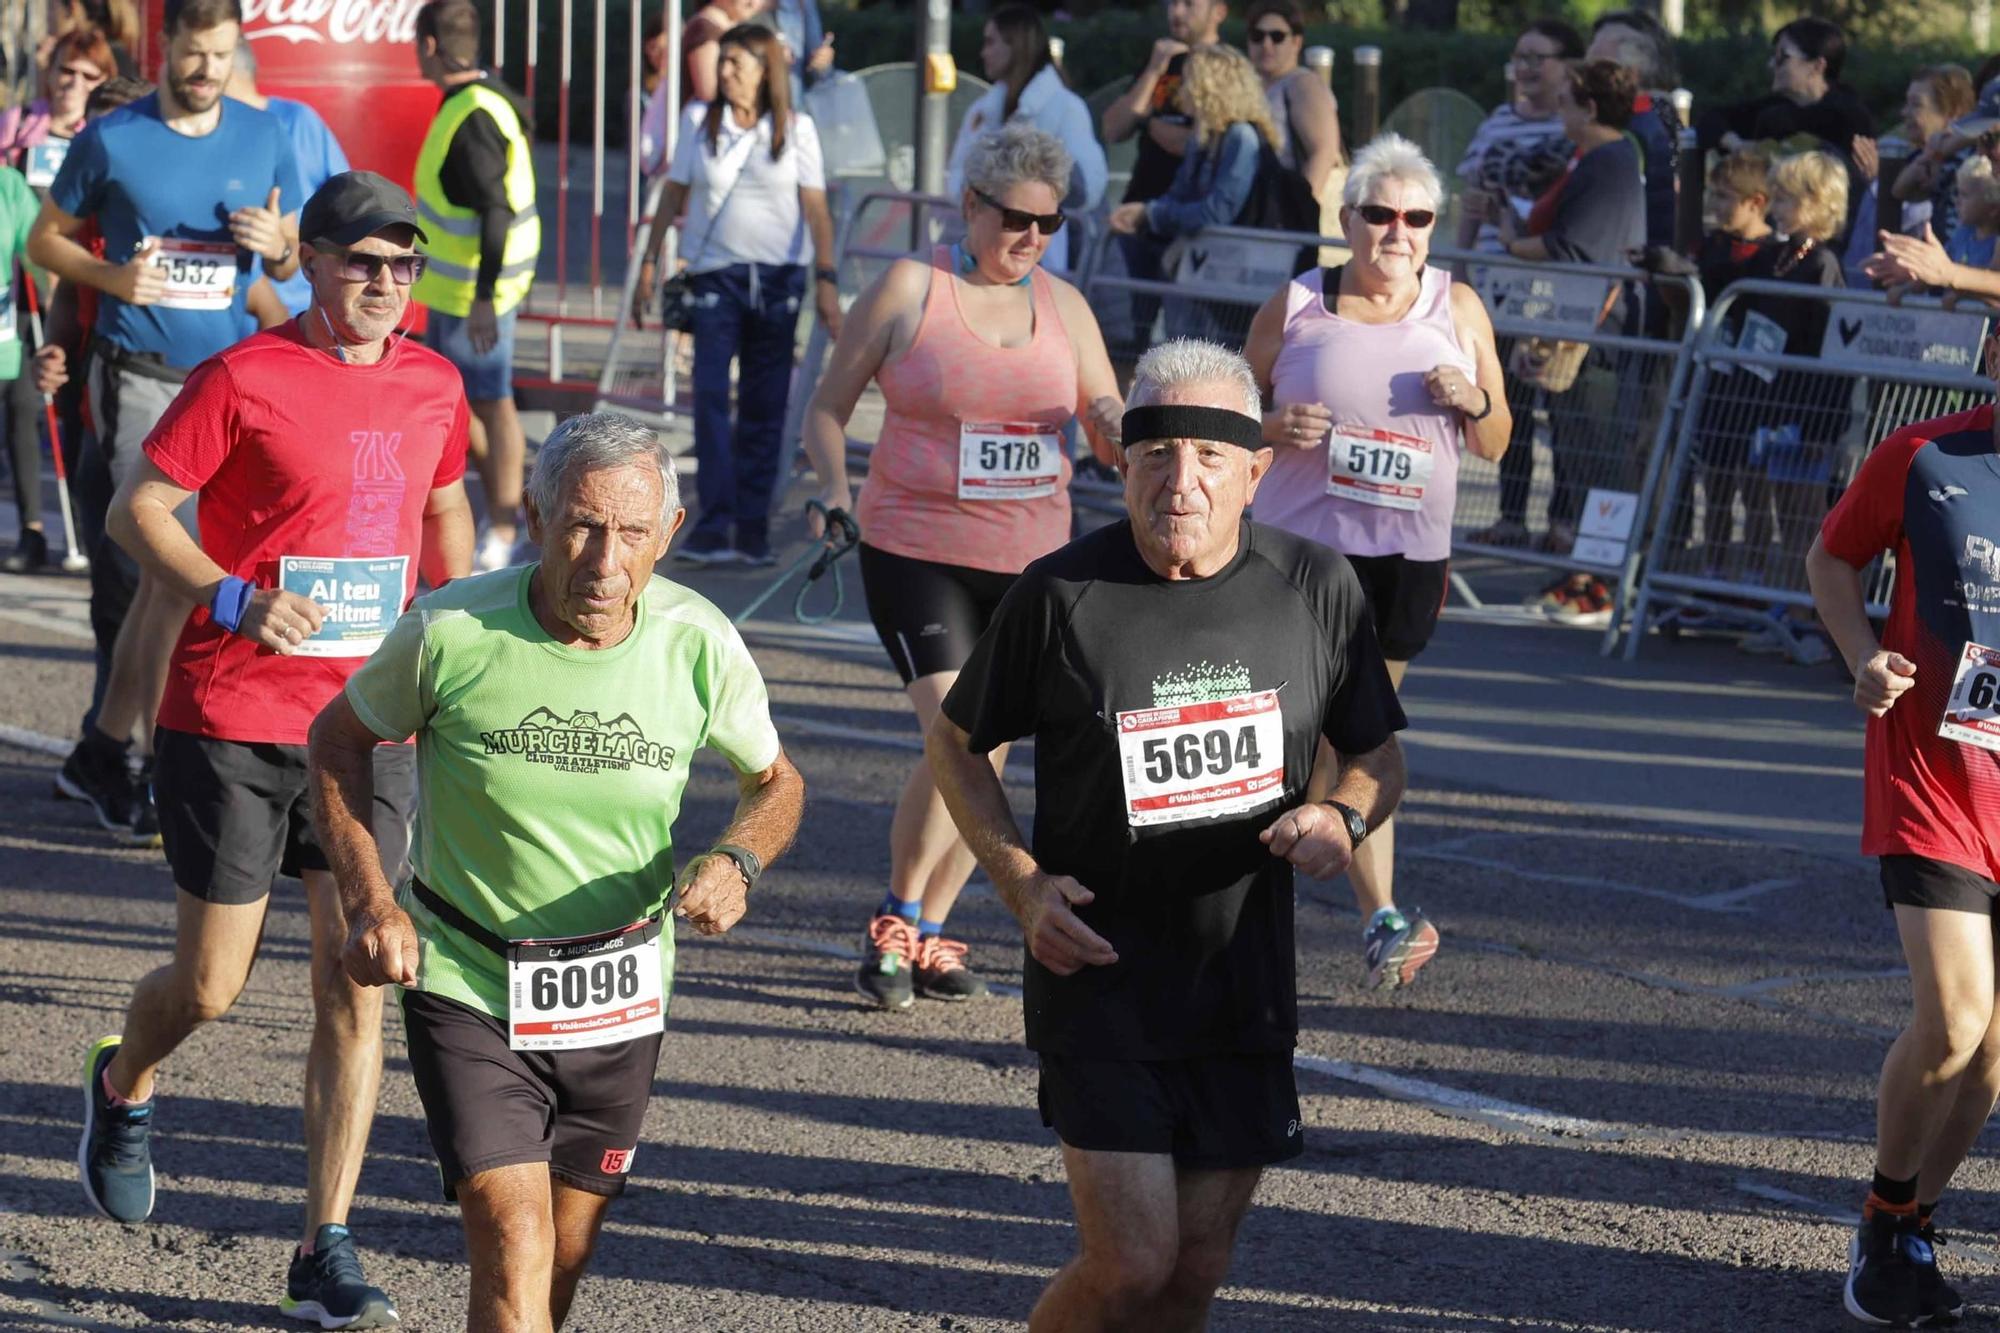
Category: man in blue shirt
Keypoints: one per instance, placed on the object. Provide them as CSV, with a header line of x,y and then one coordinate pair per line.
x,y
186,189
317,151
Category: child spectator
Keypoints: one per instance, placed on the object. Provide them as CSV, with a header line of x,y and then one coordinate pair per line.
x,y
1971,241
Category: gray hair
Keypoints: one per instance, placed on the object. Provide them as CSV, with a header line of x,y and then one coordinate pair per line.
x,y
596,440
1184,361
1389,156
1016,153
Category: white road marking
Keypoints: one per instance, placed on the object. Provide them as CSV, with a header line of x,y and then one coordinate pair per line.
x,y
1577,881
52,624
1454,1101
1732,897
23,739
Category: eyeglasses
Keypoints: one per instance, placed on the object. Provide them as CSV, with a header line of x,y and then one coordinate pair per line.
x,y
1017,219
357,266
1273,36
1536,58
89,76
1381,215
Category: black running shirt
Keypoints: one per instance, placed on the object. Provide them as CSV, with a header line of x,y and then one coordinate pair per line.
x,y
1173,722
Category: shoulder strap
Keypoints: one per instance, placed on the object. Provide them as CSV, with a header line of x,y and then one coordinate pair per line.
x,y
750,143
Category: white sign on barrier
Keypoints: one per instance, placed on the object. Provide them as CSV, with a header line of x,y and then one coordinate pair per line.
x,y
1885,338
1524,295
1606,528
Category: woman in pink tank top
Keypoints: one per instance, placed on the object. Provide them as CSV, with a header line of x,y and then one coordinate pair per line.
x,y
982,359
1379,374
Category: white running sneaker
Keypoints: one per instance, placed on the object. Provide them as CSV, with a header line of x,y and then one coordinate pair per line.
x,y
495,552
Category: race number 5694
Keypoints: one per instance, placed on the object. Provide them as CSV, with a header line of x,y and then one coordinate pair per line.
x,y
1201,761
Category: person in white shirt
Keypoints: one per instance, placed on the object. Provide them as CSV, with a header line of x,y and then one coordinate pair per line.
x,y
1028,85
749,171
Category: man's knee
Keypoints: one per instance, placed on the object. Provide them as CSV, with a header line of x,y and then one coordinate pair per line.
x,y
1202,1267
1951,1040
204,994
354,1012
1130,1276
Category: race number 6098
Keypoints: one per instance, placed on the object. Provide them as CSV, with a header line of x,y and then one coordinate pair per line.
x,y
585,983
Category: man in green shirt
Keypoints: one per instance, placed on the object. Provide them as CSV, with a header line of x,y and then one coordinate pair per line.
x,y
555,708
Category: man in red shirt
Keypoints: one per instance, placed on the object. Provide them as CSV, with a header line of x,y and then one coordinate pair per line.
x,y
1929,494
328,454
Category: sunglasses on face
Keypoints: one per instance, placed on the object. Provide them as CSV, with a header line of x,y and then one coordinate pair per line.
x,y
1016,219
356,266
1381,215
1271,35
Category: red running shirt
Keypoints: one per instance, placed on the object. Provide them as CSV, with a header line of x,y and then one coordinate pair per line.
x,y
1930,494
297,454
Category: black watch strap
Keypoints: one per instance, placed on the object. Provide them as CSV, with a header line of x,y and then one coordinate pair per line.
x,y
824,274
1485,411
746,860
1357,827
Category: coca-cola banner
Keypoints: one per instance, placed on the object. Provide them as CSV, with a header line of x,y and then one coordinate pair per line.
x,y
354,61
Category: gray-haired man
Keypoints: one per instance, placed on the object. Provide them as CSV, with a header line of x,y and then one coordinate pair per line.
x,y
555,708
1177,673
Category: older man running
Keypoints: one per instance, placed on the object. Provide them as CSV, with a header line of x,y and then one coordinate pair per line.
x,y
1177,673
556,707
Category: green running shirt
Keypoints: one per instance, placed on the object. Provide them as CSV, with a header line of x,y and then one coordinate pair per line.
x,y
549,777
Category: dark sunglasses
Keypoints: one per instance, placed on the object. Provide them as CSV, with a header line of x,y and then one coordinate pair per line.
x,y
1271,35
359,267
1381,215
1015,219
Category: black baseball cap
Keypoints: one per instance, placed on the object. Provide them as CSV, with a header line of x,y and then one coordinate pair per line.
x,y
355,204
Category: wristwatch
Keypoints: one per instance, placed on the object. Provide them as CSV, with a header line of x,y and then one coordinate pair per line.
x,y
1357,827
831,275
1485,411
746,861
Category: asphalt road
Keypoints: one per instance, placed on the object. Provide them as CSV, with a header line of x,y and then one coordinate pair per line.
x,y
1634,1092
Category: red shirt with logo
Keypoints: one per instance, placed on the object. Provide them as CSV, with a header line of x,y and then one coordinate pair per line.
x,y
298,454
1930,494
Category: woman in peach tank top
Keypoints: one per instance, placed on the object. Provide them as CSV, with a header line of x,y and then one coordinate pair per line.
x,y
982,358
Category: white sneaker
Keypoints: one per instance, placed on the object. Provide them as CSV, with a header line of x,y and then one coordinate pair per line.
x,y
495,552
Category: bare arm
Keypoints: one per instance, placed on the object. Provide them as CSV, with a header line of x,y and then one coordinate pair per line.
x,y
141,519
702,59
1174,138
381,948
1488,437
448,535
1880,677
1313,836
1922,260
1318,123
1294,425
864,344
1099,405
1041,902
51,244
819,221
1913,183
713,893
673,195
1124,116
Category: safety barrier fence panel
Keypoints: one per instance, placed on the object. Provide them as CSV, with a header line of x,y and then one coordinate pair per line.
x,y
1772,434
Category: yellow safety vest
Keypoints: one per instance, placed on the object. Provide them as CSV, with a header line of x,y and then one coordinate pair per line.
x,y
452,275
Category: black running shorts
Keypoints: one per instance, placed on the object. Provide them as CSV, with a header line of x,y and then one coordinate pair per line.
x,y
236,814
1404,599
1218,1112
1920,881
928,615
487,1106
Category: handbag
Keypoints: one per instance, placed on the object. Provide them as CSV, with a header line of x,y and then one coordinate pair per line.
x,y
1552,364
677,292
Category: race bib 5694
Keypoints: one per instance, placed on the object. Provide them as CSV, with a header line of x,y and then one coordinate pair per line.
x,y
1201,761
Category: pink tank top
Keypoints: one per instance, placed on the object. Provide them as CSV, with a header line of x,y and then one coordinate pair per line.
x,y
1386,480
970,467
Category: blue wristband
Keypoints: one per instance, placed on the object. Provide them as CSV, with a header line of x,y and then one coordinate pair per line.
x,y
232,598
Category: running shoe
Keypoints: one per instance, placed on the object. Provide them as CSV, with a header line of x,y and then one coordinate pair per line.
x,y
95,774
707,548
1396,948
114,1159
941,970
327,1286
885,972
495,552
1890,1266
1942,1303
1587,603
31,553
145,815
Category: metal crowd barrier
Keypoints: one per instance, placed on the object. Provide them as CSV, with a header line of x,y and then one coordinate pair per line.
x,y
1769,439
